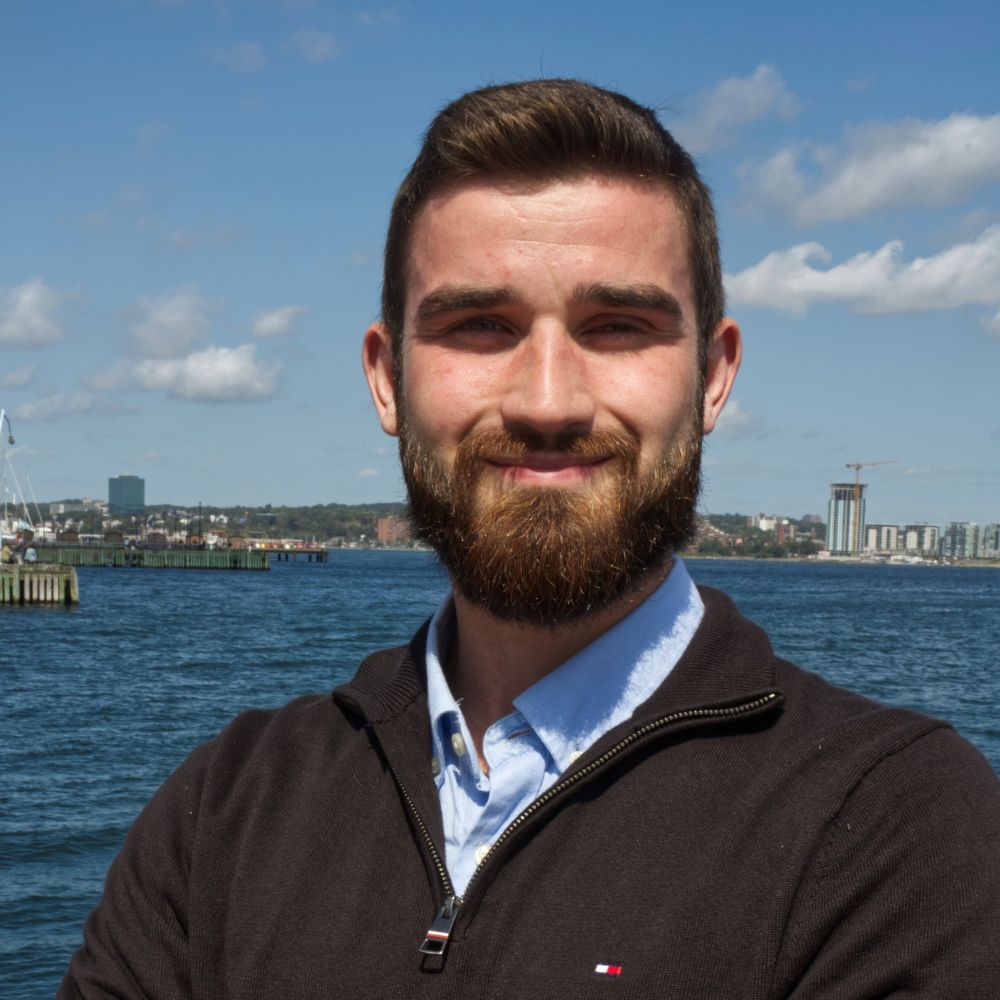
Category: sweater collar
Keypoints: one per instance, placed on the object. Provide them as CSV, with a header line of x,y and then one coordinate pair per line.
x,y
728,659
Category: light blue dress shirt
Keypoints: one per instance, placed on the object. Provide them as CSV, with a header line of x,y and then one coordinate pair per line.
x,y
554,722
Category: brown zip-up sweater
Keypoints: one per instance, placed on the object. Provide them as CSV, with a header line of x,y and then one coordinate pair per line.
x,y
751,833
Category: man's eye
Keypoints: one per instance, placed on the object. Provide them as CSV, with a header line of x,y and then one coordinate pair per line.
x,y
479,324
616,327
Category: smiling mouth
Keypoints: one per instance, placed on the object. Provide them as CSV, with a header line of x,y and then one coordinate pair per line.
x,y
550,468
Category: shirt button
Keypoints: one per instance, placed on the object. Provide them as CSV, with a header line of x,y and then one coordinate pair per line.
x,y
458,744
435,766
481,851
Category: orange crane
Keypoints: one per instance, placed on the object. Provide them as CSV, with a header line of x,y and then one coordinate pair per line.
x,y
856,522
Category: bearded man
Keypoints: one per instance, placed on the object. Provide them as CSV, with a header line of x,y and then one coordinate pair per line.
x,y
583,771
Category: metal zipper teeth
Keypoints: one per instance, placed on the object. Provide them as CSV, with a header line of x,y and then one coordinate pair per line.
x,y
643,731
560,786
442,871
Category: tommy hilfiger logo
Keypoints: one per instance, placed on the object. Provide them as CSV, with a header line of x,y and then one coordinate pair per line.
x,y
607,970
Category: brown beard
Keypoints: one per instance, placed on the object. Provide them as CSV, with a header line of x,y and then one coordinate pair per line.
x,y
550,556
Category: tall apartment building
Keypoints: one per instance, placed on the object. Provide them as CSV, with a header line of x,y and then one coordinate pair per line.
x,y
960,540
845,525
126,495
989,541
921,539
881,538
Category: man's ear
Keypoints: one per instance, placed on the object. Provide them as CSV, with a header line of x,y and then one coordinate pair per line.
x,y
376,357
725,351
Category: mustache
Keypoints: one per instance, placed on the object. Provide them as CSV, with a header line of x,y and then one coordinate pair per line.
x,y
491,444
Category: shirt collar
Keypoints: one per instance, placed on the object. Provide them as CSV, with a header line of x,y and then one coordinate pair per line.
x,y
592,692
602,685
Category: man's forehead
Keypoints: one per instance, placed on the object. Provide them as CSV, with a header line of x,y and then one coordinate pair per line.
x,y
564,222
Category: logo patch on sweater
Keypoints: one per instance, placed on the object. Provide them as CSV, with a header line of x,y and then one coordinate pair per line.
x,y
607,970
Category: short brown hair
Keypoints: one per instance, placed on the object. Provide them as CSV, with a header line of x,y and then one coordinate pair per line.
x,y
553,129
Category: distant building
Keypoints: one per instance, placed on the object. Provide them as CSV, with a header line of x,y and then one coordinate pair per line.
x,y
84,506
989,542
960,540
845,525
126,495
394,530
882,539
921,539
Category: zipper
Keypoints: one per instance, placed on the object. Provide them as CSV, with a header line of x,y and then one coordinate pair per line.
x,y
438,934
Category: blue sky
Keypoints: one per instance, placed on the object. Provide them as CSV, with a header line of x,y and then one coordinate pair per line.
x,y
193,198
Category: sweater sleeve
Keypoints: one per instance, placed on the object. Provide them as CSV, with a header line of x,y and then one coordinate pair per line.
x,y
903,899
135,942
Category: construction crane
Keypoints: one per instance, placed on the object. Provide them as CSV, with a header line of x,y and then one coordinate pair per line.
x,y
856,518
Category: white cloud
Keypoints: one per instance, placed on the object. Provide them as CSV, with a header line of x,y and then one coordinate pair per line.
x,y
735,421
368,473
17,377
881,165
191,238
62,405
27,314
167,327
243,57
388,17
734,102
314,46
875,282
860,84
277,322
217,375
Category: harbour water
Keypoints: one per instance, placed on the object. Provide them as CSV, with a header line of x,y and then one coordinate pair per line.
x,y
100,702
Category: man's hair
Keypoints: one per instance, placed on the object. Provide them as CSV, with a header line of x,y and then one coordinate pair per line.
x,y
551,130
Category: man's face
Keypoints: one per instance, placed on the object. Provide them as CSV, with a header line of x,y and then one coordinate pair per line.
x,y
551,409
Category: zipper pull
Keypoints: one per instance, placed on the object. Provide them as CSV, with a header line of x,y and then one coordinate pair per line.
x,y
436,939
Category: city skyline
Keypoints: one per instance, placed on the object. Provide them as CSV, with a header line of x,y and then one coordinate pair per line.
x,y
197,194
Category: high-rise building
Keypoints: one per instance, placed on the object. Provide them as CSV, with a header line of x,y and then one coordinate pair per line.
x,y
881,538
921,539
126,495
960,540
989,542
845,520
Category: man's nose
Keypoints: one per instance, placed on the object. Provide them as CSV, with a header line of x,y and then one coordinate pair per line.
x,y
548,390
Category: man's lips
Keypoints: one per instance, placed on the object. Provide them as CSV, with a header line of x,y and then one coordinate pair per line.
x,y
548,466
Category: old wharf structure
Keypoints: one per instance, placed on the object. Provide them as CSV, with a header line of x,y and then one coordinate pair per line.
x,y
181,557
38,583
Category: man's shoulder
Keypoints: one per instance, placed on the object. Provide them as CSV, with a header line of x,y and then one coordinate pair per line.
x,y
833,734
312,728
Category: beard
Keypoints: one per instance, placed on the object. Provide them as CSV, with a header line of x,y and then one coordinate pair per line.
x,y
551,556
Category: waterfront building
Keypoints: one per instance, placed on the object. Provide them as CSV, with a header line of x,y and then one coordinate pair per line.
x,y
84,506
845,522
784,530
881,539
989,542
394,530
960,540
126,495
921,539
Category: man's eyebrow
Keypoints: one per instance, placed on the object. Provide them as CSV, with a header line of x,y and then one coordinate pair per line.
x,y
642,296
457,297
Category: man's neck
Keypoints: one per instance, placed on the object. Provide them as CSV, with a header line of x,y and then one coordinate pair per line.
x,y
491,661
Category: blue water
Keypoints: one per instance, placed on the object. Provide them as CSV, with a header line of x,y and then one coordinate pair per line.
x,y
101,702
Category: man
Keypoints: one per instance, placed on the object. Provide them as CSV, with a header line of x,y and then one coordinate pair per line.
x,y
582,772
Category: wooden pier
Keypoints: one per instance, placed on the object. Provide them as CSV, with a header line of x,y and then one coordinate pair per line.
x,y
156,558
38,583
294,555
